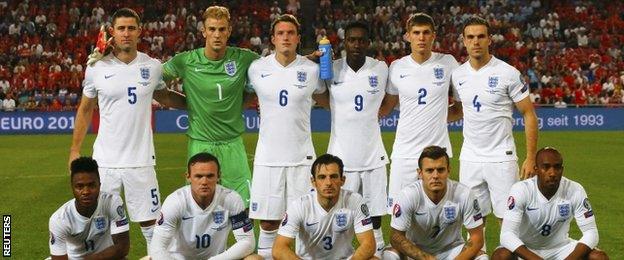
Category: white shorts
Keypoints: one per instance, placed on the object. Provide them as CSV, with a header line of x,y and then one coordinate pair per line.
x,y
371,184
140,188
274,188
403,172
490,182
556,253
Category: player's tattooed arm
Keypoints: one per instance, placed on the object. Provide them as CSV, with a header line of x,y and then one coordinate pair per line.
x,y
406,247
281,248
473,246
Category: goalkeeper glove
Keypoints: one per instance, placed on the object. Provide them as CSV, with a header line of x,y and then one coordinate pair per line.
x,y
102,47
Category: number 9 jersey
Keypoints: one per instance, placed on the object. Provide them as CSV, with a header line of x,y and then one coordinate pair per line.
x,y
124,93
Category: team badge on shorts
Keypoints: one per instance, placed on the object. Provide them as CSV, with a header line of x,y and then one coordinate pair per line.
x,y
100,223
364,209
302,76
145,73
492,82
341,220
218,217
450,213
511,202
475,205
254,206
120,211
230,68
564,210
438,73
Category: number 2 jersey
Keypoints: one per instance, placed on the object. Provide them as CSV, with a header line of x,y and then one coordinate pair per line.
x,y
285,97
423,91
488,96
544,224
436,228
198,233
75,235
124,93
325,235
355,98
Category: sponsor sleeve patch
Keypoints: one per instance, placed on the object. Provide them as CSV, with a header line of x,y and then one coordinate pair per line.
x,y
241,220
122,222
366,221
589,213
511,203
477,217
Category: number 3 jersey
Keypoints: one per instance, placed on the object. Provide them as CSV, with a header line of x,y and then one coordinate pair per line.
x,y
544,224
75,235
325,235
124,93
423,91
201,233
355,98
436,227
285,97
488,96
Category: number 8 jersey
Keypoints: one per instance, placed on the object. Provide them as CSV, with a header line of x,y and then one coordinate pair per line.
x,y
124,93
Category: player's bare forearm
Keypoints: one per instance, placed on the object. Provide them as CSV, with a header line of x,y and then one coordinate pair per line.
x,y
387,105
281,248
473,245
322,99
366,249
406,247
170,98
581,251
119,249
455,112
526,254
83,120
530,130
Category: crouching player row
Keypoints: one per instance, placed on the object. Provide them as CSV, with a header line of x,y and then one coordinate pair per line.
x,y
426,222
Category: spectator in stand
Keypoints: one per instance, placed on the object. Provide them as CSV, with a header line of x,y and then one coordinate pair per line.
x,y
560,103
8,104
534,96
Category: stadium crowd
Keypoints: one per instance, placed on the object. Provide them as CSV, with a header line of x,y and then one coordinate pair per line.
x,y
570,52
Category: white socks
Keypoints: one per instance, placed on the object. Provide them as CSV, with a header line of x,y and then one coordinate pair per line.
x,y
148,232
265,243
379,242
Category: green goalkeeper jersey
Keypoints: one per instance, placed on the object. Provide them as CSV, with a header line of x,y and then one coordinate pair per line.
x,y
214,91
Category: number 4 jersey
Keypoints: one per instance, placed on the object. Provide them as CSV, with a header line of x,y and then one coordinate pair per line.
x,y
124,93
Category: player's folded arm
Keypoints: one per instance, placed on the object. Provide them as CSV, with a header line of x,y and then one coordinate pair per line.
x,y
366,249
281,248
242,228
119,249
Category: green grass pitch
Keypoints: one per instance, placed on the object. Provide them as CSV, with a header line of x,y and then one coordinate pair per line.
x,y
34,181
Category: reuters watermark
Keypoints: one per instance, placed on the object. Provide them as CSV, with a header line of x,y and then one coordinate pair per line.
x,y
6,235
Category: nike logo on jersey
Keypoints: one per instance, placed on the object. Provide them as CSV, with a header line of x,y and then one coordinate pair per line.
x,y
187,218
421,213
403,76
108,76
531,209
462,83
265,75
308,224
337,82
381,248
154,210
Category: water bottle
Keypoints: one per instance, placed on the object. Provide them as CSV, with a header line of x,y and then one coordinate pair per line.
x,y
326,71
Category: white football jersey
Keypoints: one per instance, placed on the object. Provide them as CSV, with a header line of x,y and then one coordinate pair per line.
x,y
325,235
436,227
488,96
355,98
124,93
200,233
545,223
75,235
423,91
285,97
